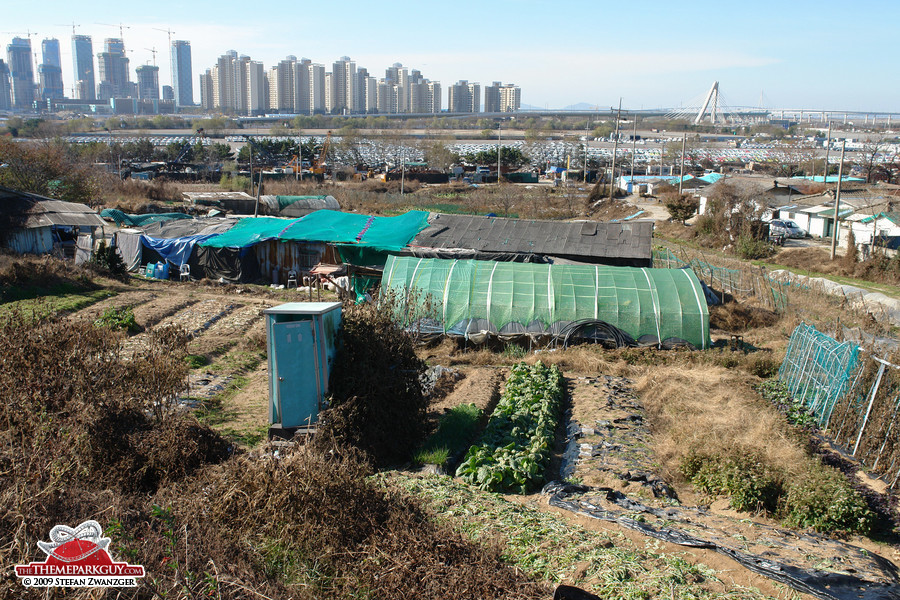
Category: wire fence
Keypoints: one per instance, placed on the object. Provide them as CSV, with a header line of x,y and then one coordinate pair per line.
x,y
855,398
738,278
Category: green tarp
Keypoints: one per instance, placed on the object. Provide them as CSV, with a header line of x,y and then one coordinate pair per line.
x,y
122,218
249,231
329,226
526,297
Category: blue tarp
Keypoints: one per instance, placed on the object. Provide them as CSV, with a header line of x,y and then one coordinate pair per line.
x,y
176,250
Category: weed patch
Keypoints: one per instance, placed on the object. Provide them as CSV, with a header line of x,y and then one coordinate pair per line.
x,y
455,431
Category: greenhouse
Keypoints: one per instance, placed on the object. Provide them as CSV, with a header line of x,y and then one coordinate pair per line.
x,y
482,299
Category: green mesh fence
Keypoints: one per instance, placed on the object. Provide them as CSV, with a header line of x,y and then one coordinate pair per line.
x,y
537,299
817,370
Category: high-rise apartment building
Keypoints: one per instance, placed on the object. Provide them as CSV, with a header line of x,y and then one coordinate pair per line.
x,y
206,90
182,78
317,86
148,82
343,80
301,86
464,97
256,90
282,85
5,88
83,62
18,54
510,98
492,97
115,79
329,93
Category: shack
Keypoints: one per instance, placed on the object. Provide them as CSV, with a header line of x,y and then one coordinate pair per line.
x,y
523,240
34,224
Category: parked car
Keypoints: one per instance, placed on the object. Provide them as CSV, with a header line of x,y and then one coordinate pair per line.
x,y
782,227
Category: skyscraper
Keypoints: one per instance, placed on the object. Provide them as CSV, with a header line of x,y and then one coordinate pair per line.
x,y
50,52
182,80
5,89
18,54
50,70
148,82
114,75
83,61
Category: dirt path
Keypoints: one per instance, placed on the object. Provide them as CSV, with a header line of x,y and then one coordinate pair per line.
x,y
609,450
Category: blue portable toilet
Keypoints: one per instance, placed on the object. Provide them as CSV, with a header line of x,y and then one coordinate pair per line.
x,y
302,342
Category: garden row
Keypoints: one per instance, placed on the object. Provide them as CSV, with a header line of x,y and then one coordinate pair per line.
x,y
515,448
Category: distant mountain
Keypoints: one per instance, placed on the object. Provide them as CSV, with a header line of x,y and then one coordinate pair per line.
x,y
581,106
530,107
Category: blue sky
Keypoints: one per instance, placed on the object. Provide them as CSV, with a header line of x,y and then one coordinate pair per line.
x,y
793,54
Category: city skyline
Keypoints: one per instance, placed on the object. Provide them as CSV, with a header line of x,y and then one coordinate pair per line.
x,y
652,55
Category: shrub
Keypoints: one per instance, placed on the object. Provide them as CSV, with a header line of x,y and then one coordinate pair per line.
x,y
376,403
107,260
681,206
750,248
823,500
749,483
119,319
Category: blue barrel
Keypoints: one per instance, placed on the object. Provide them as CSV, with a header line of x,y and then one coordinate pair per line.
x,y
151,270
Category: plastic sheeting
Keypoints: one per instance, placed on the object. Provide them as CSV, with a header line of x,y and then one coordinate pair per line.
x,y
536,299
177,250
129,246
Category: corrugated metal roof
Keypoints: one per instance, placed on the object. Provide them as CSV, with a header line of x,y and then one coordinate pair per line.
x,y
556,238
40,211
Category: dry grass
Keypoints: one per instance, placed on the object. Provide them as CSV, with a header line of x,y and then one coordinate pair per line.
x,y
712,410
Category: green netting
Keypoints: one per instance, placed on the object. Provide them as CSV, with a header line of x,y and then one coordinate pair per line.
x,y
250,231
523,297
122,218
817,370
329,226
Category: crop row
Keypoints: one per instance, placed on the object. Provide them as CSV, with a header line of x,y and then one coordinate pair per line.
x,y
514,450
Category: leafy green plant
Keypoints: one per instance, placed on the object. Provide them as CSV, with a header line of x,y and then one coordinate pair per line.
x,y
514,351
749,484
121,319
776,392
826,502
515,447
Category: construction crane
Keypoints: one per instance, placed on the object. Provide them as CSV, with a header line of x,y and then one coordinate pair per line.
x,y
168,31
73,25
121,27
152,51
318,167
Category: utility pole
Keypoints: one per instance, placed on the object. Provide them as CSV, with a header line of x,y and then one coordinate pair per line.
x,y
633,147
499,148
827,148
837,201
612,175
681,173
